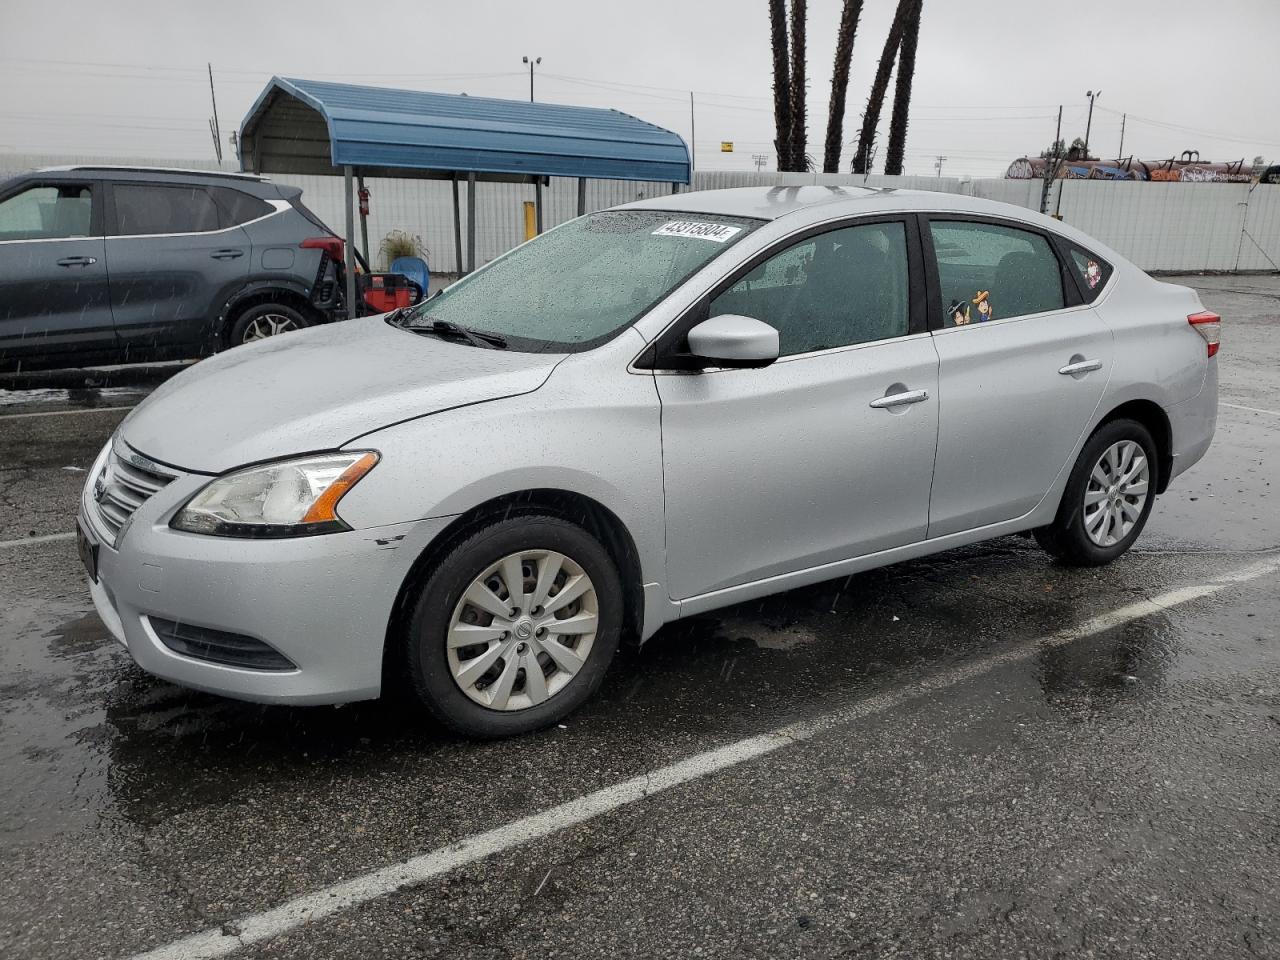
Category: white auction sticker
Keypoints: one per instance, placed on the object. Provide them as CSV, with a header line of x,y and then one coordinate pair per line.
x,y
715,232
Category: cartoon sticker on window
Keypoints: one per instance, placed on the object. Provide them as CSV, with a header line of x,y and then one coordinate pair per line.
x,y
983,303
1093,273
958,311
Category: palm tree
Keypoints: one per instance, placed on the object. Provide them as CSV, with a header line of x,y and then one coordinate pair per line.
x,y
781,82
879,87
902,93
799,119
848,30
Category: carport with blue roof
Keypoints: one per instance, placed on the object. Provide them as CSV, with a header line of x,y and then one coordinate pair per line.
x,y
315,127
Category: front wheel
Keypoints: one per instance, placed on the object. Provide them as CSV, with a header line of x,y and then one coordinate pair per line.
x,y
1108,498
515,628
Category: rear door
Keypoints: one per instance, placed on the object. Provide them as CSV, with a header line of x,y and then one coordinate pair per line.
x,y
172,265
1023,364
54,300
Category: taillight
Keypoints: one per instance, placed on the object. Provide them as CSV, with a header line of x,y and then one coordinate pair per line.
x,y
333,246
1209,326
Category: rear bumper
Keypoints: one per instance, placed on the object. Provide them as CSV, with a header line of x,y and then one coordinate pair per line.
x,y
1192,423
324,602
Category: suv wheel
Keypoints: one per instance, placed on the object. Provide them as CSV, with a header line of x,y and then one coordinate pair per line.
x,y
1108,497
264,320
515,628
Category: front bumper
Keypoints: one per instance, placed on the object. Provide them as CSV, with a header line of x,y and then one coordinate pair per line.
x,y
322,601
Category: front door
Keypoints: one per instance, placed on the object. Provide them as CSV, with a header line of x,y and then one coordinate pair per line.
x,y
827,453
54,303
1023,366
172,265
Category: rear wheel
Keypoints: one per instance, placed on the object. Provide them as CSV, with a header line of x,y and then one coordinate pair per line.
x,y
264,320
515,628
1108,498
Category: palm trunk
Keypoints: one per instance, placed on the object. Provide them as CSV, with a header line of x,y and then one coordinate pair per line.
x,y
781,82
849,17
902,93
875,103
799,119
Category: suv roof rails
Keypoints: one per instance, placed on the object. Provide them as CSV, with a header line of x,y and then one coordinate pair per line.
x,y
129,168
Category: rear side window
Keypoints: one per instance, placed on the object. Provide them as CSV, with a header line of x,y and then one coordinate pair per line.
x,y
48,212
992,272
143,208
235,207
1093,270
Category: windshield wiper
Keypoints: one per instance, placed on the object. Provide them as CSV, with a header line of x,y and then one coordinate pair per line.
x,y
477,338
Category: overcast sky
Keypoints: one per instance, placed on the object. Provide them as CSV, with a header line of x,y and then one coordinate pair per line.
x,y
127,77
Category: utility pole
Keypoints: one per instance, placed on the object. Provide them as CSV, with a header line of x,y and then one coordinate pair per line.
x,y
693,136
532,64
937,164
213,121
1051,165
760,160
1092,95
1123,118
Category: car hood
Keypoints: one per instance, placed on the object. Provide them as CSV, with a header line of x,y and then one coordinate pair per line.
x,y
318,389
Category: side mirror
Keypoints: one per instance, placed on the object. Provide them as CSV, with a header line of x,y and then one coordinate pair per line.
x,y
730,340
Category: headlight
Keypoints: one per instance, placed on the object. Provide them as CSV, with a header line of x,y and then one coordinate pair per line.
x,y
292,498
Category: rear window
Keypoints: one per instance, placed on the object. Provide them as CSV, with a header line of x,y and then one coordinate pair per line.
x,y
1093,270
236,207
144,208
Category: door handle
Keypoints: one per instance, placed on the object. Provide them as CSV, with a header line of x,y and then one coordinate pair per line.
x,y
898,399
77,261
227,254
1080,366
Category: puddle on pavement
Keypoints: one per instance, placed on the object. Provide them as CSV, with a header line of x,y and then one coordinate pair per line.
x,y
88,736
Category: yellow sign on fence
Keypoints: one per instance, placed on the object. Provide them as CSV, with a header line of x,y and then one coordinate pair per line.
x,y
726,146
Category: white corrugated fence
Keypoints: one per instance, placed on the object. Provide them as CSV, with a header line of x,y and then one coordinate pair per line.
x,y
1159,226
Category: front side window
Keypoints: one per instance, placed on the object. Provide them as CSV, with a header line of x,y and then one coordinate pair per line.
x,y
48,212
991,272
144,208
835,289
581,283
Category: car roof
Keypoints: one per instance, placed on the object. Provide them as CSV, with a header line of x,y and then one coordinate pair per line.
x,y
114,168
823,203
802,205
126,173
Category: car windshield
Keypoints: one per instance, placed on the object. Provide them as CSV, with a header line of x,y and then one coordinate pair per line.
x,y
579,284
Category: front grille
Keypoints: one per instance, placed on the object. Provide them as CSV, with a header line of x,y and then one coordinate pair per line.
x,y
219,646
122,487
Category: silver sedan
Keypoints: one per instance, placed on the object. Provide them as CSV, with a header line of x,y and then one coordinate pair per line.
x,y
645,413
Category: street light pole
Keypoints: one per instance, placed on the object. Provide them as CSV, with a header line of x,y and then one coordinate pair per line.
x,y
1092,95
531,64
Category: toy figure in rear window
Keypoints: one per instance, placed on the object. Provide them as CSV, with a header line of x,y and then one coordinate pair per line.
x,y
958,311
1093,274
983,302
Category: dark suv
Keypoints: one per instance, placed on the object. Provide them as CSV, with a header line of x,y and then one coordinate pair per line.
x,y
114,265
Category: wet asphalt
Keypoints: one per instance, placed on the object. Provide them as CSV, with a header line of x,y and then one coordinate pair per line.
x,y
1115,795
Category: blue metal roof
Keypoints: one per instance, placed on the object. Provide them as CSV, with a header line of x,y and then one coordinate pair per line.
x,y
375,127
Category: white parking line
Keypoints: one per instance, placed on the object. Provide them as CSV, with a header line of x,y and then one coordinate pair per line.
x,y
340,896
45,538
61,413
1236,406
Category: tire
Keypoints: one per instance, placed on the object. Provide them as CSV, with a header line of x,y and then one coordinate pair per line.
x,y
1090,534
449,681
265,320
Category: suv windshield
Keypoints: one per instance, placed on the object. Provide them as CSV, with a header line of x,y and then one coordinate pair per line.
x,y
578,285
